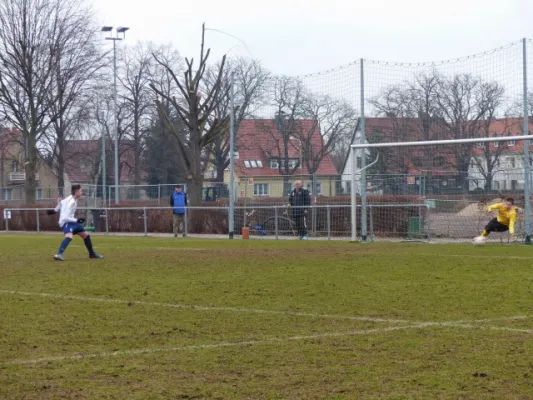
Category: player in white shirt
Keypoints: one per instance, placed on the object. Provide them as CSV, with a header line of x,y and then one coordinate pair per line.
x,y
71,225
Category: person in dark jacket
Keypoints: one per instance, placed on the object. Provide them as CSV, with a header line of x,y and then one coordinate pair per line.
x,y
299,201
178,202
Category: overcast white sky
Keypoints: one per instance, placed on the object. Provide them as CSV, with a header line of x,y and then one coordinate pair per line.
x,y
296,37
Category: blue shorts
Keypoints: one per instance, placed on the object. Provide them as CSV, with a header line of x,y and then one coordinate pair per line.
x,y
73,227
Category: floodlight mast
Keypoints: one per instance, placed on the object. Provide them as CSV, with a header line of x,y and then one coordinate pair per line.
x,y
121,29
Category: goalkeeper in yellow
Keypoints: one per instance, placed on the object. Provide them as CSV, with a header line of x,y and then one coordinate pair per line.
x,y
504,221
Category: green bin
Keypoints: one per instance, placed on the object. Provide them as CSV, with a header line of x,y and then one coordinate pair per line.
x,y
414,227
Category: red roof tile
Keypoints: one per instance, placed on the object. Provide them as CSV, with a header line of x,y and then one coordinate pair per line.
x,y
261,140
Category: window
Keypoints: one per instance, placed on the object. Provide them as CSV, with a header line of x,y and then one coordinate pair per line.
x,y
276,163
512,162
14,166
514,185
359,162
480,145
38,194
7,194
496,144
86,167
511,143
293,163
496,185
253,164
261,189
318,187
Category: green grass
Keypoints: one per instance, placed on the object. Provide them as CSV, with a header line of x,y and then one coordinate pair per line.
x,y
218,319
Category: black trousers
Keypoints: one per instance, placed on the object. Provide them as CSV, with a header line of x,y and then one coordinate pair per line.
x,y
495,226
301,224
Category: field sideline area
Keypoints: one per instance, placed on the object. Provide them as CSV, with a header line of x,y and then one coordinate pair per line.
x,y
165,318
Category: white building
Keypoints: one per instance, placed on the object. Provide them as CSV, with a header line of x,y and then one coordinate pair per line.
x,y
507,173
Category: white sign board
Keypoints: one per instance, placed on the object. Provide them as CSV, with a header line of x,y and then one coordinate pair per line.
x,y
7,214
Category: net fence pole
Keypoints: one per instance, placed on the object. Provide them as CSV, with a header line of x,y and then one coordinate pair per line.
x,y
527,169
363,157
232,160
353,195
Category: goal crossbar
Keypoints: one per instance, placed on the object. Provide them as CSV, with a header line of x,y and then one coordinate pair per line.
x,y
441,142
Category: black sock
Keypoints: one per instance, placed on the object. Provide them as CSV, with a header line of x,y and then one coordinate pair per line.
x,y
89,244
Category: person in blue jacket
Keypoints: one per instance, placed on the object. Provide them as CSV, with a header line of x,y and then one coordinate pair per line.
x,y
178,202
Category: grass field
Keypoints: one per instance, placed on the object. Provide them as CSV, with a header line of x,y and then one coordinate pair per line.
x,y
163,318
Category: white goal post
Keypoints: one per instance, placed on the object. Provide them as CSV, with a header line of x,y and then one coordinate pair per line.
x,y
362,169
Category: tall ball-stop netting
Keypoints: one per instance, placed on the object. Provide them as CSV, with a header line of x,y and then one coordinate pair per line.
x,y
465,108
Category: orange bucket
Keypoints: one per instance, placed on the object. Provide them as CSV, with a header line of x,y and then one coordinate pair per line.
x,y
245,233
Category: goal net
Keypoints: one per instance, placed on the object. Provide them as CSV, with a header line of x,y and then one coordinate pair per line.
x,y
438,190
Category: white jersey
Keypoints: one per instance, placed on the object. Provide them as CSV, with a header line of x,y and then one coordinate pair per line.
x,y
67,209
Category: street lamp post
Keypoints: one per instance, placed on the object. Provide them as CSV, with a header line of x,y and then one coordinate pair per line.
x,y
109,30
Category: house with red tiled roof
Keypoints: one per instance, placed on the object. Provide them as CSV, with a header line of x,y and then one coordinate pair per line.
x,y
83,160
13,175
404,169
499,166
490,166
269,162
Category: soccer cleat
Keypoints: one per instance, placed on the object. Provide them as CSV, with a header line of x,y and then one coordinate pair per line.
x,y
96,256
59,257
305,237
480,239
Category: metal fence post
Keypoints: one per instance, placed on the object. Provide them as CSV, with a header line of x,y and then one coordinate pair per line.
x,y
159,194
371,223
186,222
245,201
527,169
276,221
353,196
328,214
231,211
106,220
145,222
363,157
38,225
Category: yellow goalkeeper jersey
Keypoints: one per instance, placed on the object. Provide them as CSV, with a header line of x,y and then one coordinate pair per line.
x,y
505,217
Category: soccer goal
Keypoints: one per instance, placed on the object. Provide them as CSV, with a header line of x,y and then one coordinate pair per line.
x,y
439,190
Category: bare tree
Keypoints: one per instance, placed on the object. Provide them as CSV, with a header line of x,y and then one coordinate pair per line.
x,y
250,85
162,156
462,114
79,61
137,97
490,98
325,122
432,107
195,110
287,96
411,112
33,33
